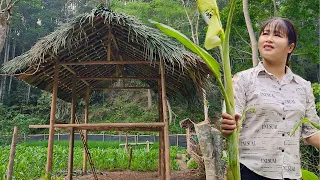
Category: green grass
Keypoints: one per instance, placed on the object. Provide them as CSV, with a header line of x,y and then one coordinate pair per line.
x,y
30,160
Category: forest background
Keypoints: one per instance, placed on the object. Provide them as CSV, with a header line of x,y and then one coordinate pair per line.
x,y
22,105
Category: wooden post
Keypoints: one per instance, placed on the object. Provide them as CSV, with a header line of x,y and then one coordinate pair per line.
x,y
127,142
188,135
86,116
12,152
71,137
130,156
149,99
52,120
148,146
161,169
109,45
161,156
165,119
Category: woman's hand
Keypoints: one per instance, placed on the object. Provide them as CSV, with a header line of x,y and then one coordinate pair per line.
x,y
228,123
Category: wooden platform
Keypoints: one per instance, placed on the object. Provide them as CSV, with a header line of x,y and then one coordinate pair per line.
x,y
154,127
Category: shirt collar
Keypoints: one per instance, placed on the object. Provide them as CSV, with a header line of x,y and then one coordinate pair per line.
x,y
288,77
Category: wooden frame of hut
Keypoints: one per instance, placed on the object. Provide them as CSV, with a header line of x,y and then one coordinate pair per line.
x,y
94,51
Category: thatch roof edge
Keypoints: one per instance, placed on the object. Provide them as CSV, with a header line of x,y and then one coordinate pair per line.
x,y
152,38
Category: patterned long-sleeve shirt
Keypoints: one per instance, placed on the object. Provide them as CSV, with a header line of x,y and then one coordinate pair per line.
x,y
265,145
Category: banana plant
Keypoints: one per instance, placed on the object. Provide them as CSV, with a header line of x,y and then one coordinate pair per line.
x,y
216,37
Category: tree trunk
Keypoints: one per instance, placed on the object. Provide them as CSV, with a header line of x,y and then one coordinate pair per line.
x,y
28,94
210,145
253,39
4,78
3,28
275,8
205,106
5,18
193,35
12,56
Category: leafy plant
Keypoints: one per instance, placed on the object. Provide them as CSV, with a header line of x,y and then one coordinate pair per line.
x,y
33,156
316,92
216,37
192,164
307,175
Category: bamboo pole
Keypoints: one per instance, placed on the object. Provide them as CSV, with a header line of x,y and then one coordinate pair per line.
x,y
155,126
149,99
12,152
165,119
127,142
160,139
52,120
117,78
130,156
71,137
115,62
120,88
161,156
109,45
86,116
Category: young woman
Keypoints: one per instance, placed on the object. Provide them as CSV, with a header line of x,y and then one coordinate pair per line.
x,y
280,99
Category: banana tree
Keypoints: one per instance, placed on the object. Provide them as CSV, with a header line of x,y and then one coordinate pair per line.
x,y
216,37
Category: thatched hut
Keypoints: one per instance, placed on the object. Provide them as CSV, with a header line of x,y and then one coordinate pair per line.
x,y
95,50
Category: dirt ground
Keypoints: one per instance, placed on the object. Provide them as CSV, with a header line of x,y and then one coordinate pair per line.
x,y
135,175
183,174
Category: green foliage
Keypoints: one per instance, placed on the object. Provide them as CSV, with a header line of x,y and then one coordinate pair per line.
x,y
192,164
11,118
310,159
316,92
132,107
34,157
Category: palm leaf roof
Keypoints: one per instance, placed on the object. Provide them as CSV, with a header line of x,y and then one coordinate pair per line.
x,y
103,35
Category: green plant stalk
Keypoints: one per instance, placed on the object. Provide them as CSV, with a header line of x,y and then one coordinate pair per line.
x,y
233,139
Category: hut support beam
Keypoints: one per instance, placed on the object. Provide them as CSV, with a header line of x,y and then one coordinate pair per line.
x,y
71,137
149,99
120,88
86,116
109,45
153,127
115,62
165,120
161,163
52,120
